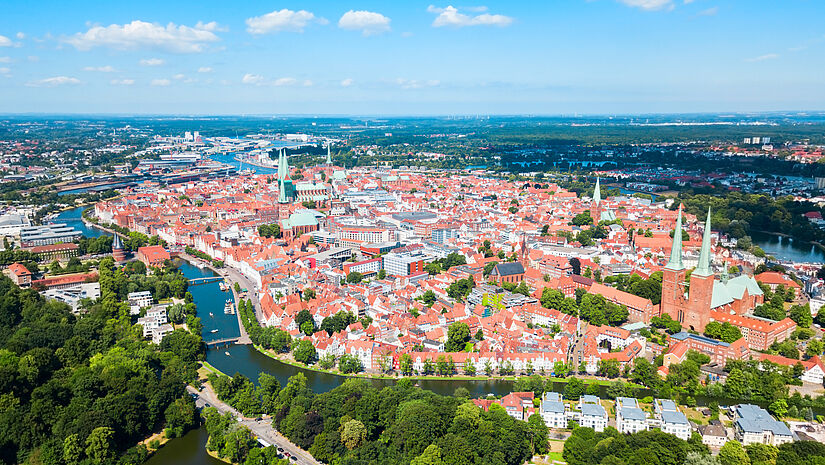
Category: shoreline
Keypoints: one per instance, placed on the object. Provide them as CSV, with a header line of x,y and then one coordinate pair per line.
x,y
818,245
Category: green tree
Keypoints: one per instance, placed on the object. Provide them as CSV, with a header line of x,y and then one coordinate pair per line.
x,y
405,364
72,450
732,453
458,335
305,353
99,444
353,434
430,456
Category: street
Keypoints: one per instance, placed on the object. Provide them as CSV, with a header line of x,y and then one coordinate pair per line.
x,y
261,428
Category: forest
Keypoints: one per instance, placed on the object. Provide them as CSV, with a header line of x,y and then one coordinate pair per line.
x,y
87,389
357,423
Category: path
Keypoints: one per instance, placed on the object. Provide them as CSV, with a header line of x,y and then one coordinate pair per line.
x,y
261,428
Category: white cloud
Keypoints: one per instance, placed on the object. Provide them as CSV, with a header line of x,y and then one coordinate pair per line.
x,y
204,69
161,82
5,41
54,82
151,62
122,82
415,83
767,56
5,70
100,69
256,79
179,76
347,82
5,60
142,35
285,81
282,20
33,58
450,16
20,35
649,5
709,12
367,22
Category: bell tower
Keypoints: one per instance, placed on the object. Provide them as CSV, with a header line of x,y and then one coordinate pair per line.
x,y
673,278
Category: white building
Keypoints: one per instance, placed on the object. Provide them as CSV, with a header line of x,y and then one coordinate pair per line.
x,y
138,300
754,424
629,417
593,415
155,323
553,411
74,294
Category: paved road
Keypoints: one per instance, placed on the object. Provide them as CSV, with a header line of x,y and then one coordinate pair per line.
x,y
261,428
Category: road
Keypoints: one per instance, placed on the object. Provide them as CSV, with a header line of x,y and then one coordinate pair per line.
x,y
261,428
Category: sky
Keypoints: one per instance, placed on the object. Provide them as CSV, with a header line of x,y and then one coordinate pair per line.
x,y
403,57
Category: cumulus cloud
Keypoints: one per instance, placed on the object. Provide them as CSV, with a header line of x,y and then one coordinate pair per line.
x,y
204,69
282,20
767,56
5,60
122,82
450,16
5,71
143,35
368,22
100,69
709,12
416,84
258,80
54,82
5,41
649,5
151,62
161,82
347,82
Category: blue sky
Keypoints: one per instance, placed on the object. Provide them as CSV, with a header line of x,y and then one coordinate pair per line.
x,y
411,58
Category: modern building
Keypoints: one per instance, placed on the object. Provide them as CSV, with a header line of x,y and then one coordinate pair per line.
x,y
72,296
754,424
404,264
155,324
64,251
47,234
365,267
673,421
138,300
593,415
553,411
443,235
629,417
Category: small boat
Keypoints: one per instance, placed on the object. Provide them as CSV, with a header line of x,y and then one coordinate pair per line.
x,y
227,353
211,314
214,331
229,308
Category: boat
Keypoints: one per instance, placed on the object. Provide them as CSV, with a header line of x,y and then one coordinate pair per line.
x,y
226,352
223,286
229,308
211,314
214,331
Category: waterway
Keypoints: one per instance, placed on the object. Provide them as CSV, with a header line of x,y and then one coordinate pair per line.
x,y
230,159
74,219
786,248
188,450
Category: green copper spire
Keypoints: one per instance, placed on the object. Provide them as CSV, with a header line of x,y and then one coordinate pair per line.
x,y
281,168
329,156
597,193
286,166
703,267
675,262
281,191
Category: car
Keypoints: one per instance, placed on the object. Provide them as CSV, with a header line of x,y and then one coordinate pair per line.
x,y
293,458
280,449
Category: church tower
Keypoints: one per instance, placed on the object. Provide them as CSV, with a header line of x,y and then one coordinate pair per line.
x,y
673,277
523,252
701,285
118,251
595,205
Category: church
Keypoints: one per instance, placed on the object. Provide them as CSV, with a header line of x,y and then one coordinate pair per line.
x,y
712,298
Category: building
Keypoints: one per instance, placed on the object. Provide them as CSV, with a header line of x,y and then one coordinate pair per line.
x,y
65,281
443,235
404,264
19,274
138,300
638,308
672,420
629,417
153,255
72,296
509,272
553,411
51,252
718,351
365,267
754,424
118,251
714,435
593,415
46,234
155,324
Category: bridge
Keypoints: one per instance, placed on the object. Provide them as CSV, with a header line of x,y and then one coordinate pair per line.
x,y
208,279
220,342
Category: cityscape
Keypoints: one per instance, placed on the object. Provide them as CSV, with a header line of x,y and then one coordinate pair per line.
x,y
320,264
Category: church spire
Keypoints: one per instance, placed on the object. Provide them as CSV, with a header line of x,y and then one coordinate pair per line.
x,y
597,193
703,267
675,262
329,155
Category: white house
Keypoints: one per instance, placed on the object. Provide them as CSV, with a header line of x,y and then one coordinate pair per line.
x,y
629,417
138,300
754,424
593,415
553,411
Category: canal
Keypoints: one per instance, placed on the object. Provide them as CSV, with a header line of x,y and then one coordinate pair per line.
x,y
74,219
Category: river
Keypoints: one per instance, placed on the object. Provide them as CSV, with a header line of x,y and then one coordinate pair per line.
x,y
74,219
786,248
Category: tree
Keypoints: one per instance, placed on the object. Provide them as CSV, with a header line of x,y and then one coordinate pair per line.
x,y
72,450
382,273
761,453
801,314
479,335
457,336
732,453
99,444
309,294
574,388
305,352
405,364
350,364
540,439
582,219
180,416
353,434
354,277
430,456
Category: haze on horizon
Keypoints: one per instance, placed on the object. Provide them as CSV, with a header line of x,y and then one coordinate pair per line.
x,y
413,58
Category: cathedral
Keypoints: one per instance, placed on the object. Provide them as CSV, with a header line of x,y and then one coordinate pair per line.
x,y
596,212
286,189
709,298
